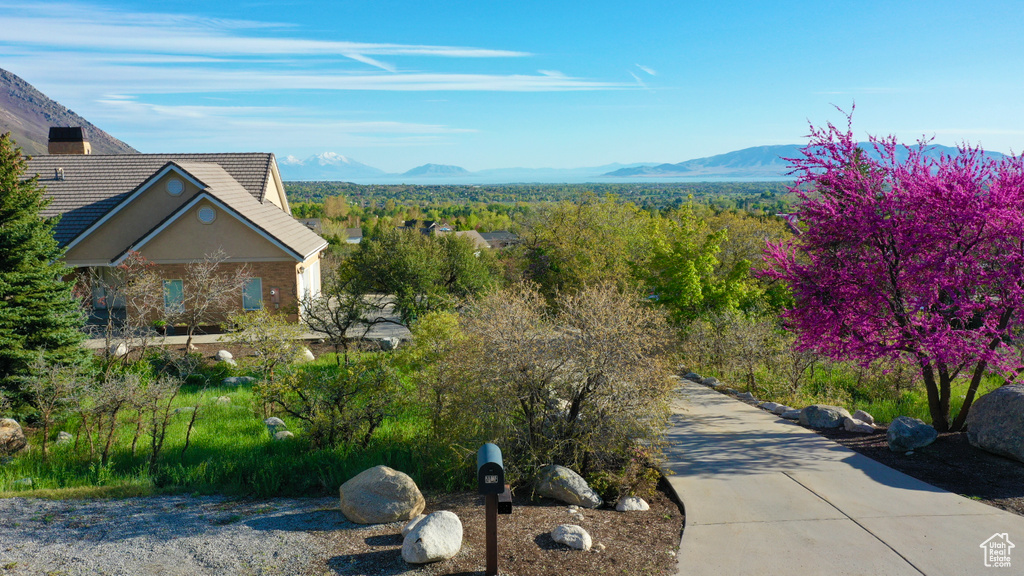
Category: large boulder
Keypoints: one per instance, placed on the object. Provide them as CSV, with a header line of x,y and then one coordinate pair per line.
x,y
237,380
275,425
906,434
223,356
12,438
996,422
563,484
863,417
119,349
436,537
793,414
822,416
572,536
390,343
380,495
858,426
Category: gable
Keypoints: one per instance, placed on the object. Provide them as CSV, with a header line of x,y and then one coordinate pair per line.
x,y
138,214
187,238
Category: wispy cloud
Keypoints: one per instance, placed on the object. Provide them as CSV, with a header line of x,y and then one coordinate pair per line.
x,y
647,70
638,80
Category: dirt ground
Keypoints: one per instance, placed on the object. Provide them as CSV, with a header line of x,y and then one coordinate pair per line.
x,y
950,463
626,543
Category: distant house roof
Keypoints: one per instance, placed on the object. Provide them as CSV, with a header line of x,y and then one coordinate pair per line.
x,y
92,185
427,226
500,238
354,233
475,237
311,223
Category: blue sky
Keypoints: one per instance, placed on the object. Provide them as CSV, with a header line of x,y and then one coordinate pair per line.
x,y
491,84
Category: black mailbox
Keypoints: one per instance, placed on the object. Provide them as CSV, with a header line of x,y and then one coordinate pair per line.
x,y
490,472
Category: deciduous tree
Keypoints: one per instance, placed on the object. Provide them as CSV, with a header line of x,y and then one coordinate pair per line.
x,y
920,259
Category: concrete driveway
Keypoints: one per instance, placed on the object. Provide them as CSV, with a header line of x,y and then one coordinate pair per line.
x,y
765,496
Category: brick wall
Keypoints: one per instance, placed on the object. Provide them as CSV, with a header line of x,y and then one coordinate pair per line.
x,y
280,275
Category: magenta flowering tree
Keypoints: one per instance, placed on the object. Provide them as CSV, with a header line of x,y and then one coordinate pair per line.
x,y
907,256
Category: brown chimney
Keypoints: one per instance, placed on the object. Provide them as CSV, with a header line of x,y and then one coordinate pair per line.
x,y
70,140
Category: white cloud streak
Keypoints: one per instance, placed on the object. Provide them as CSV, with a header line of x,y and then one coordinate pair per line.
x,y
647,70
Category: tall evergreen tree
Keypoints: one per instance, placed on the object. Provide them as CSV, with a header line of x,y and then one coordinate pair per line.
x,y
37,310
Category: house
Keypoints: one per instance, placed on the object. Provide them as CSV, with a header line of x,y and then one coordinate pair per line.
x,y
426,226
500,239
178,208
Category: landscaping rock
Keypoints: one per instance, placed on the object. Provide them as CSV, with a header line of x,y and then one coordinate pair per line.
x,y
283,435
822,416
411,524
223,356
380,495
729,391
12,438
863,417
996,422
791,414
223,400
274,425
119,349
563,484
64,438
781,409
858,426
306,355
237,380
692,376
183,410
572,536
389,344
747,396
436,537
769,406
710,381
906,433
632,504
22,483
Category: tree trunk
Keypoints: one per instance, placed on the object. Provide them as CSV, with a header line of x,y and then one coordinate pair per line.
x,y
939,420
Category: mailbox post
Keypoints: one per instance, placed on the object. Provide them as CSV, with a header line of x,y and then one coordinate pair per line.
x,y
490,476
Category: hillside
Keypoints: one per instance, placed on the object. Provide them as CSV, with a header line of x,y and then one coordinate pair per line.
x,y
28,115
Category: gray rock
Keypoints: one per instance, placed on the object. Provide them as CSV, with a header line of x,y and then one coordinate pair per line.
x,y
632,504
275,425
791,414
769,406
822,416
781,409
64,438
306,355
863,417
436,537
223,356
380,495
572,536
692,376
238,380
283,435
389,344
119,349
858,426
996,422
710,381
12,438
729,391
563,484
906,433
22,483
746,396
411,524
184,410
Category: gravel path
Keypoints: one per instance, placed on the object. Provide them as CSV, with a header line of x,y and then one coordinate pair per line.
x,y
168,535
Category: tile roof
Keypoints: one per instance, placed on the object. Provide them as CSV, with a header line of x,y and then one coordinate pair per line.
x,y
94,184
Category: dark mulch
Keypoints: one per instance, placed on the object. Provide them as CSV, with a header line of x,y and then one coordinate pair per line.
x,y
950,463
630,542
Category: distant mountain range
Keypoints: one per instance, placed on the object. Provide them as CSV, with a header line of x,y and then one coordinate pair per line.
x,y
759,162
28,115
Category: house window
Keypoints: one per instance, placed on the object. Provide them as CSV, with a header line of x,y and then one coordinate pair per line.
x,y
252,294
174,296
207,215
175,187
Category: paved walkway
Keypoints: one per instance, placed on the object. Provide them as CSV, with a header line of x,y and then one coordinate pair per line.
x,y
764,496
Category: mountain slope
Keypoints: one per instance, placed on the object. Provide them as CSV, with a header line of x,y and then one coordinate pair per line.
x,y
327,166
756,162
28,115
436,170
